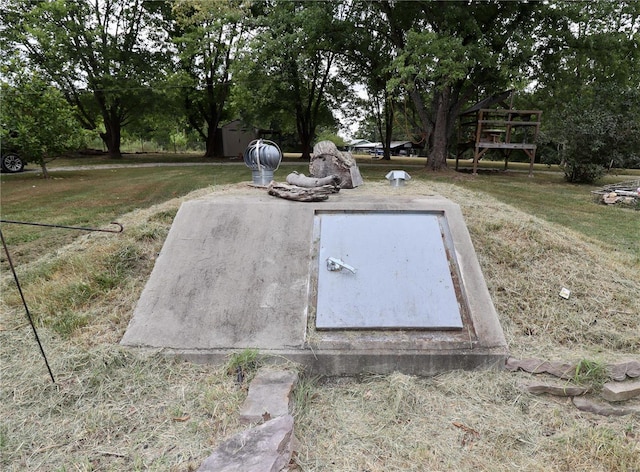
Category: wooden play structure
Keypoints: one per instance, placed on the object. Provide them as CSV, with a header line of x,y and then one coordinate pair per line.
x,y
504,129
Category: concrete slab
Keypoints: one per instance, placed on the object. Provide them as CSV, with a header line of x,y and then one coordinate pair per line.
x,y
241,271
233,273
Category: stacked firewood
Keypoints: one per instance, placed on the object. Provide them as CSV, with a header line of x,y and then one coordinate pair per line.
x,y
623,193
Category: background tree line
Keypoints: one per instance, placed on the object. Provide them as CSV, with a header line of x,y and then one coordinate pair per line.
x,y
401,69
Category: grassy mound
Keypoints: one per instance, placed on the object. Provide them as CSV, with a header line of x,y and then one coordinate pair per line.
x,y
115,409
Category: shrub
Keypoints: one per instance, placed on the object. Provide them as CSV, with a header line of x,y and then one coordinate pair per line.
x,y
600,128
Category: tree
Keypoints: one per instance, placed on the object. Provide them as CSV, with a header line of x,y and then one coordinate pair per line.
x,y
288,70
163,119
588,84
108,48
37,120
449,52
588,43
370,53
208,35
599,134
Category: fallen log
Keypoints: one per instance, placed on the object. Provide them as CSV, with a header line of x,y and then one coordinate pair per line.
x,y
301,180
627,193
301,194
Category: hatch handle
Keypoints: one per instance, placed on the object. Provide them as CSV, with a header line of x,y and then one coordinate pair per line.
x,y
335,264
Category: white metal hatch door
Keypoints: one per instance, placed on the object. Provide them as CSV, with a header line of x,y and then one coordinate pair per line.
x,y
384,270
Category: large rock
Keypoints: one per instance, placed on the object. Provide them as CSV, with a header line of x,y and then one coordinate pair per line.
x,y
265,448
328,160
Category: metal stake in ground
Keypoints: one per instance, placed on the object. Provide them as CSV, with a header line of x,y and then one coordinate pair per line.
x,y
24,303
15,276
119,230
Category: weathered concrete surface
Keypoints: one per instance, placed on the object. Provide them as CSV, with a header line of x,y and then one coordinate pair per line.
x,y
265,448
240,272
317,360
269,395
233,273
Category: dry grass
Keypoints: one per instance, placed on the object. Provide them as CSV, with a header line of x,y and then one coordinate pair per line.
x,y
457,421
114,409
526,262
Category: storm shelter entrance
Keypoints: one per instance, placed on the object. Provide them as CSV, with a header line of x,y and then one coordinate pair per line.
x,y
386,270
359,283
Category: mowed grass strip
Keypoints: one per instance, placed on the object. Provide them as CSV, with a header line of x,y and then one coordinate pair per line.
x,y
92,198
97,197
547,196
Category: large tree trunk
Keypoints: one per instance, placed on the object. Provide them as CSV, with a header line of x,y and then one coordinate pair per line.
x,y
214,107
423,115
211,143
438,155
305,134
388,132
111,138
112,125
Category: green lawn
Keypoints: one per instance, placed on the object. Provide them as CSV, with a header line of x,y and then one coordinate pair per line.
x,y
92,198
547,196
97,197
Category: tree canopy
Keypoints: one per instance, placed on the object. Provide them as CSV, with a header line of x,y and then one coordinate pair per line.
x,y
102,54
208,36
288,70
36,119
297,67
588,83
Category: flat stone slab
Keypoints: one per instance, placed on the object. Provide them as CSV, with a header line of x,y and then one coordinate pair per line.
x,y
623,370
603,409
240,272
563,370
620,391
265,448
560,390
269,395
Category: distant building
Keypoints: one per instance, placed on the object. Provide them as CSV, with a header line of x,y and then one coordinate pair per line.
x,y
400,148
361,146
235,136
397,148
